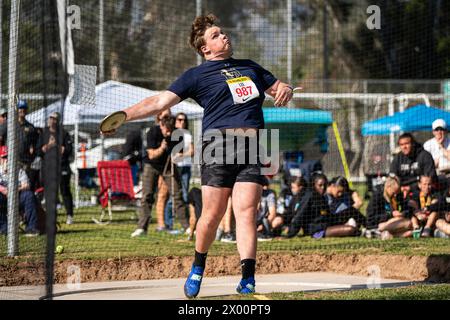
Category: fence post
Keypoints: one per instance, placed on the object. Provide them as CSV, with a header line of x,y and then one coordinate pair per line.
x,y
198,12
13,203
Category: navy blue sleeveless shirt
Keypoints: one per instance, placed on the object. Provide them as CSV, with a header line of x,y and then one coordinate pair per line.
x,y
230,91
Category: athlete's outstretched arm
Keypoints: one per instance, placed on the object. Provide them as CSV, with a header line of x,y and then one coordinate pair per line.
x,y
152,105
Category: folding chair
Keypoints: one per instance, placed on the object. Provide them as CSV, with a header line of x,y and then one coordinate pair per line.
x,y
116,184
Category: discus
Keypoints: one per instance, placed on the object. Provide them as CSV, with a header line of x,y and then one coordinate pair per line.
x,y
113,121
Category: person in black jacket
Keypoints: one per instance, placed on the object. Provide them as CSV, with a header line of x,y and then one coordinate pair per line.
x,y
27,137
311,212
295,208
412,162
48,140
297,212
157,163
387,213
317,212
344,218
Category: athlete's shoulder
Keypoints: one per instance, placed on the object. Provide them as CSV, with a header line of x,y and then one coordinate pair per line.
x,y
192,71
185,80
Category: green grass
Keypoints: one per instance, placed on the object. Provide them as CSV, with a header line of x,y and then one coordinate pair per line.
x,y
87,240
416,292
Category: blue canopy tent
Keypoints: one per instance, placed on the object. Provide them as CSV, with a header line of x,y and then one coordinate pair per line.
x,y
288,115
416,118
297,128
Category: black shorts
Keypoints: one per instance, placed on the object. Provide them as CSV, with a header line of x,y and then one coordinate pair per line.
x,y
227,167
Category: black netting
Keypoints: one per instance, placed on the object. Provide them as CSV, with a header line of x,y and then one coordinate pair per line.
x,y
114,53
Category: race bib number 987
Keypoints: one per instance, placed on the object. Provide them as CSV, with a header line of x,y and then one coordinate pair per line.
x,y
243,89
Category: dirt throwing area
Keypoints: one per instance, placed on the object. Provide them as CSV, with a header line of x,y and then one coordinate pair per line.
x,y
413,268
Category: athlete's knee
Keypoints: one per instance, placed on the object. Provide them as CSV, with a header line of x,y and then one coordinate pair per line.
x,y
247,217
209,220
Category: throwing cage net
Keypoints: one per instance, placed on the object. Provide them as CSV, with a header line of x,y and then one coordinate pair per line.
x,y
75,62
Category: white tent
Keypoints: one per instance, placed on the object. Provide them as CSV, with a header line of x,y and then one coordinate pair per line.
x,y
110,96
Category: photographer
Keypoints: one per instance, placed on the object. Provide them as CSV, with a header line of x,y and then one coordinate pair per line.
x,y
159,147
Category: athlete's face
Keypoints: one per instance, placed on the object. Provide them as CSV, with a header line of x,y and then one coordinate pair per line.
x,y
217,44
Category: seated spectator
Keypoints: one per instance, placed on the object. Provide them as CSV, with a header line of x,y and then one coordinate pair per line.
x,y
412,162
443,223
284,200
424,206
443,226
344,218
387,212
316,217
352,196
296,207
27,201
439,148
439,145
266,213
349,197
300,211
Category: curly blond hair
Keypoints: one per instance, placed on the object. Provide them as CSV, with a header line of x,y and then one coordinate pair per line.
x,y
198,28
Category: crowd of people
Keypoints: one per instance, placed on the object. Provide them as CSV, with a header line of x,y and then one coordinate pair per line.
x,y
413,202
166,176
37,148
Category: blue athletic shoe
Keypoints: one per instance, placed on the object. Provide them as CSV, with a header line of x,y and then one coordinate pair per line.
x,y
193,282
246,286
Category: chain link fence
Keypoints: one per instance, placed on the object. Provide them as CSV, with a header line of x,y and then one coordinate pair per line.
x,y
96,57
